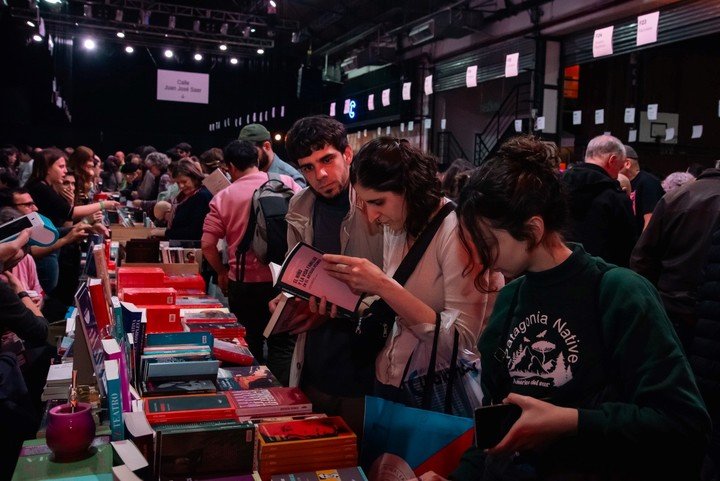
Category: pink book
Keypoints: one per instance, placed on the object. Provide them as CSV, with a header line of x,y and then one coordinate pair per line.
x,y
113,351
272,401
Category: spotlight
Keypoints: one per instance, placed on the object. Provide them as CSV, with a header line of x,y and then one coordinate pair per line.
x,y
53,2
89,44
224,28
120,35
129,49
260,51
171,22
168,53
278,137
198,57
234,61
30,24
37,38
223,47
273,4
252,30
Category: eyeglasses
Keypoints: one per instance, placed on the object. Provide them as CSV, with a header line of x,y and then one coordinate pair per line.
x,y
25,204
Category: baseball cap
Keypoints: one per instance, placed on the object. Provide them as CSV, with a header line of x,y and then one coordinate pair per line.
x,y
254,133
630,153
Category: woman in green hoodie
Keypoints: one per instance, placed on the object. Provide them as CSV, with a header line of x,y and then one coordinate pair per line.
x,y
583,347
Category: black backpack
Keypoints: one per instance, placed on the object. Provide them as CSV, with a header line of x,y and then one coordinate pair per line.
x,y
266,232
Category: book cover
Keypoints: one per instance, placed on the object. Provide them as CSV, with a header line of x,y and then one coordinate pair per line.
x,y
142,296
332,427
303,274
153,387
205,449
116,352
342,474
179,338
284,316
216,181
232,352
189,408
163,318
207,315
131,316
271,401
139,430
114,399
101,307
219,330
185,370
185,281
90,337
250,377
140,277
117,318
196,301
101,268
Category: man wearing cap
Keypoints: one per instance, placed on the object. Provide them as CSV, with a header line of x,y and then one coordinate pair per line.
x,y
646,189
268,160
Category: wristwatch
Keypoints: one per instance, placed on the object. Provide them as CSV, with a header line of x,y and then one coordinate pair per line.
x,y
23,294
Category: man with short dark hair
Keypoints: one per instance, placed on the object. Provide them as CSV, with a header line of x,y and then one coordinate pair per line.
x,y
249,286
183,150
646,189
268,160
332,364
601,213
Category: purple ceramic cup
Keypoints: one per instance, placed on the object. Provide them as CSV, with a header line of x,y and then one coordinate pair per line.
x,y
69,434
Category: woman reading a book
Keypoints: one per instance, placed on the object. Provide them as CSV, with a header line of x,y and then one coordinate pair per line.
x,y
583,347
401,191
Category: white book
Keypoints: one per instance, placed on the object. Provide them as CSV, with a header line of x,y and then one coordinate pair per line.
x,y
216,181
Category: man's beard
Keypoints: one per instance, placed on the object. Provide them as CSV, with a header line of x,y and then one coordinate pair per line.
x,y
263,160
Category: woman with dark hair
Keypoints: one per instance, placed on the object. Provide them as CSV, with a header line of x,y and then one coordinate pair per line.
x,y
583,347
398,184
191,205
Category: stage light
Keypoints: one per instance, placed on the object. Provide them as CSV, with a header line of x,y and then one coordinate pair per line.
x,y
37,38
252,30
169,53
273,4
260,51
120,34
278,137
223,47
198,57
30,24
234,61
53,2
89,44
129,49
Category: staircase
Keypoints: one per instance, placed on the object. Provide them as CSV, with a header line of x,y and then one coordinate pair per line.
x,y
515,106
448,148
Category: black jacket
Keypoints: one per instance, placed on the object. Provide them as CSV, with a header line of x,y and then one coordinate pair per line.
x,y
601,214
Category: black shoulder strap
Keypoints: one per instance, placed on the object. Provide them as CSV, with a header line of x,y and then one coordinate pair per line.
x,y
411,259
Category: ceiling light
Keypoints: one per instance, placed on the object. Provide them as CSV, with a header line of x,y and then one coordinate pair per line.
x,y
89,44
198,57
260,51
278,137
53,2
234,61
120,34
30,24
168,53
129,49
252,30
37,38
273,4
223,47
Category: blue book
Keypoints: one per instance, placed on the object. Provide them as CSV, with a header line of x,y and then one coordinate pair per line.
x,y
114,399
117,315
131,316
179,338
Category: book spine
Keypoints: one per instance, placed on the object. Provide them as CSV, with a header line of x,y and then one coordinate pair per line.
x,y
114,399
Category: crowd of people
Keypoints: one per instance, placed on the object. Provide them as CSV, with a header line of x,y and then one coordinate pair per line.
x,y
592,307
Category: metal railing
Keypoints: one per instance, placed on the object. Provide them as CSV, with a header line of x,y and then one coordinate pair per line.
x,y
515,106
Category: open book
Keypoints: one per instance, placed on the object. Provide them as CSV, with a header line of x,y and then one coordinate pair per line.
x,y
216,181
284,317
303,275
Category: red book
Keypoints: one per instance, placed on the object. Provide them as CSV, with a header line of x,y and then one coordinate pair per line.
x,y
271,401
140,277
101,306
188,281
219,330
181,291
189,408
231,352
163,318
144,296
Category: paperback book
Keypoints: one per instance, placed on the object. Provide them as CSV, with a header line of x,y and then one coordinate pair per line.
x,y
189,408
271,401
248,377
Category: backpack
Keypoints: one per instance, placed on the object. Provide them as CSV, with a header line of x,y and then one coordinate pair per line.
x,y
266,232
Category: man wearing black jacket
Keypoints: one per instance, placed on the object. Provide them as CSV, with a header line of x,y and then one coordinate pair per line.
x,y
601,213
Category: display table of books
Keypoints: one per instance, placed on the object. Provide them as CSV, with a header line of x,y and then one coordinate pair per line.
x,y
178,393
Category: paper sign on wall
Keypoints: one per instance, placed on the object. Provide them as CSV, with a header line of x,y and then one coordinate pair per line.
x,y
630,115
254,116
387,130
427,123
518,125
386,97
273,112
511,64
177,86
697,131
402,127
282,111
371,102
652,110
540,123
346,107
577,117
379,131
411,126
669,133
471,76
332,109
632,136
443,124
406,90
647,28
599,116
603,41
428,85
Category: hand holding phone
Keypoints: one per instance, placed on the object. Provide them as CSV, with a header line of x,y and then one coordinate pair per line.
x,y
493,422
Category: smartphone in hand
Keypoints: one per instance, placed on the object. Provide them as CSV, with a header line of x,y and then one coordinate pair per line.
x,y
492,423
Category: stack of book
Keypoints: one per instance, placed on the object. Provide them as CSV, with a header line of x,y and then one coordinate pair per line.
x,y
222,325
272,401
305,445
58,381
242,378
